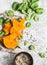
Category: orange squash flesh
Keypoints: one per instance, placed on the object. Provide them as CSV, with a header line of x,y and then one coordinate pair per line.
x,y
13,31
7,27
0,39
10,43
17,25
22,21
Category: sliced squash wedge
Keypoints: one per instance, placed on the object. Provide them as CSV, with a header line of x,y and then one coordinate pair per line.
x,y
7,27
9,42
17,25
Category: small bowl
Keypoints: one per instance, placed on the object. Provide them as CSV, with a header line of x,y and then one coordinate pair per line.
x,y
31,59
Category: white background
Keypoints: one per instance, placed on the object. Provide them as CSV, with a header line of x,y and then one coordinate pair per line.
x,y
38,30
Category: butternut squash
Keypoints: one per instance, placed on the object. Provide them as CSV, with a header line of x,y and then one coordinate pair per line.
x,y
9,42
22,21
14,31
0,39
17,25
7,27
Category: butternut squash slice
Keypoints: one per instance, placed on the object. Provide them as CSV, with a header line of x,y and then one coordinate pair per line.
x,y
17,25
14,31
10,43
7,27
